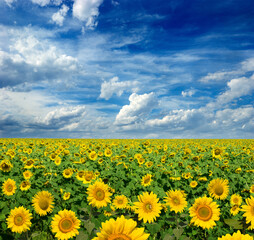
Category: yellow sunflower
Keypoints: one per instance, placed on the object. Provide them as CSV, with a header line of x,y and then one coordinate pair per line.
x,y
80,174
218,188
236,236
235,200
27,174
234,210
25,185
66,196
217,153
148,207
122,229
175,200
98,194
193,184
67,173
93,155
43,203
120,202
65,224
146,180
249,211
6,166
204,212
19,220
88,177
9,187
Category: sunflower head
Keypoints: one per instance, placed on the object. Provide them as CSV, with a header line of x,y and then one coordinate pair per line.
x,y
193,184
65,224
235,200
122,229
9,187
27,174
218,188
43,203
6,166
25,185
176,200
19,220
120,202
148,207
248,210
146,180
204,212
67,173
98,194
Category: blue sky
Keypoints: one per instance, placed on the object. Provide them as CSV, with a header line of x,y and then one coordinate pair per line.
x,y
127,69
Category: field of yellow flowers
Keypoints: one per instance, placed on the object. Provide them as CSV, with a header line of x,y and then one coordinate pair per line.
x,y
126,189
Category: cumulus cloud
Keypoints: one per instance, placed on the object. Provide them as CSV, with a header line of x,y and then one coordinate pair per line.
x,y
248,65
59,16
42,3
31,59
140,106
188,93
238,87
87,11
116,87
219,76
64,117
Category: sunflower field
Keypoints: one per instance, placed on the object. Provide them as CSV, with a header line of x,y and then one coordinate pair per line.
x,y
126,189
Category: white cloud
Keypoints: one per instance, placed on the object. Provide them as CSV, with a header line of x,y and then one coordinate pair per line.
x,y
188,93
59,16
248,65
113,86
237,88
64,117
140,106
42,3
9,2
87,11
219,76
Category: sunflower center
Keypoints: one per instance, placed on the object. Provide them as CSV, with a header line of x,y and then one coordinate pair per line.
x,y
9,188
18,220
119,236
88,177
147,180
176,201
44,204
219,190
100,195
235,200
204,212
120,201
66,225
148,207
217,152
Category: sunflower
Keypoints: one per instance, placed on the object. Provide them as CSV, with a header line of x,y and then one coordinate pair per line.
x,y
217,152
27,174
236,236
66,196
218,188
65,224
121,228
234,210
43,203
6,166
148,207
29,164
249,211
98,194
88,177
9,187
67,173
235,200
176,200
146,180
58,161
108,152
19,220
25,185
93,155
80,174
120,202
193,184
204,212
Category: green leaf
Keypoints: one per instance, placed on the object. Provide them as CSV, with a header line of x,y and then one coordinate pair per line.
x,y
153,228
82,236
89,226
178,232
236,224
168,237
39,236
